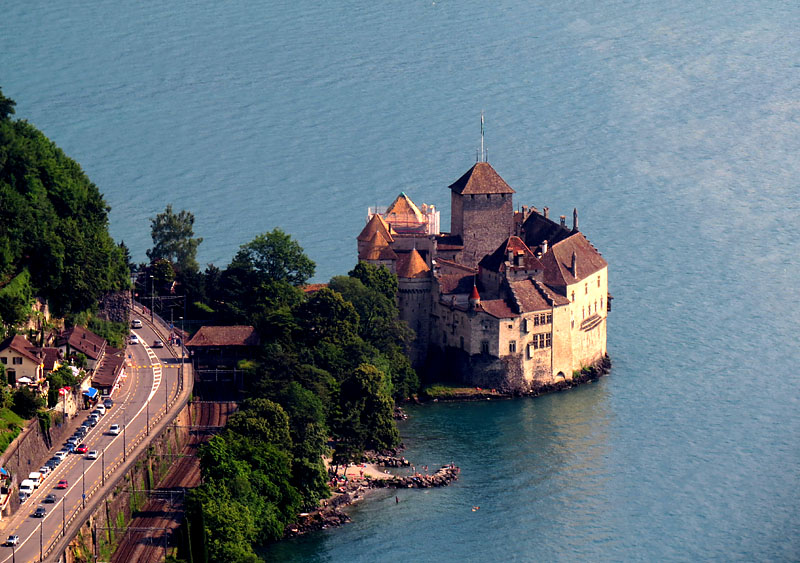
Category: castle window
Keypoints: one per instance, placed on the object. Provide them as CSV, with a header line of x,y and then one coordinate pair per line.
x,y
484,346
541,341
549,318
17,361
511,326
526,325
573,296
586,288
472,196
512,346
598,281
488,196
573,323
530,351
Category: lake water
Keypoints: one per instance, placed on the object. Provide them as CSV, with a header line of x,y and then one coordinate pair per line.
x,y
673,127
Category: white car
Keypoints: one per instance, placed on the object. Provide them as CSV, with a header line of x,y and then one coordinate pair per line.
x,y
12,540
114,430
93,454
136,323
134,339
61,454
101,409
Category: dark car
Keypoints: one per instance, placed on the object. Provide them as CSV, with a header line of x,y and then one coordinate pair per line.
x,y
40,512
108,403
54,461
49,499
70,448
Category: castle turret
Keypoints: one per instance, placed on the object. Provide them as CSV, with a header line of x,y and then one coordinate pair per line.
x,y
414,284
474,298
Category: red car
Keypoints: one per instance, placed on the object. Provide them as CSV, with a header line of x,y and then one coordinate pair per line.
x,y
82,449
63,484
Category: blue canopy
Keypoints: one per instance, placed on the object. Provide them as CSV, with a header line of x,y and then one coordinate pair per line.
x,y
91,392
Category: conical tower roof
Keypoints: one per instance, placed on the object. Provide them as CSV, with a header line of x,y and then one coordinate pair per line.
x,y
374,225
413,266
377,248
404,209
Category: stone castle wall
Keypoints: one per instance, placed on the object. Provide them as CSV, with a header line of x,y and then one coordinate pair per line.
x,y
484,222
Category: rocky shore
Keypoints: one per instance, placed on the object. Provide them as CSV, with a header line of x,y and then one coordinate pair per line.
x,y
330,514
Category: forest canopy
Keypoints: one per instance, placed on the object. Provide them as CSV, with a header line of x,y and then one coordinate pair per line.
x,y
54,239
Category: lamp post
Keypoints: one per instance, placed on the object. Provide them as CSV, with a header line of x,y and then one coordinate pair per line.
x,y
152,296
41,542
183,335
63,514
83,483
124,427
103,466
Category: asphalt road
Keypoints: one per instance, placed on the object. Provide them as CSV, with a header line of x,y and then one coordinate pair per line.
x,y
152,376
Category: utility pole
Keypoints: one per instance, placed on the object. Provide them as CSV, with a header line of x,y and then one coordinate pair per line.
x,y
83,483
63,515
103,466
41,542
152,296
124,427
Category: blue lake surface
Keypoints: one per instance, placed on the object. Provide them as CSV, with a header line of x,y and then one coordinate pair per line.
x,y
673,127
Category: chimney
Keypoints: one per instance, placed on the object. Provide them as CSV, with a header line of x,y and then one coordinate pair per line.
x,y
544,247
563,220
575,219
510,255
574,268
546,212
524,212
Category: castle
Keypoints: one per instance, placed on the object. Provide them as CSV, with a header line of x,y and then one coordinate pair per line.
x,y
508,300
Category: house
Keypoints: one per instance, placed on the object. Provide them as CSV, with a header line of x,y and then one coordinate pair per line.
x,y
23,362
509,300
110,371
80,340
221,347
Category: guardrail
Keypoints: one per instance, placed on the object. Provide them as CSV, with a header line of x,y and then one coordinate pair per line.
x,y
80,514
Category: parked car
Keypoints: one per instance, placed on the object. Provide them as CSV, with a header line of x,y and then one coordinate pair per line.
x,y
50,499
82,449
86,424
136,323
23,497
62,484
13,539
45,470
71,440
114,429
93,454
82,431
61,454
53,462
108,403
70,448
100,408
133,339
92,422
39,512
158,344
26,487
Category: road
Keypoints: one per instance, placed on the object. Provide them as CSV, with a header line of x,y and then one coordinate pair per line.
x,y
151,380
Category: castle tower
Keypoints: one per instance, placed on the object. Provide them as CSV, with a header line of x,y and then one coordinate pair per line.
x,y
481,212
414,283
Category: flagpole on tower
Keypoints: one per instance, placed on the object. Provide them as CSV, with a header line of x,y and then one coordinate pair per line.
x,y
483,157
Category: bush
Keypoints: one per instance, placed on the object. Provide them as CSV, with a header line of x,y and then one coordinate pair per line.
x,y
26,403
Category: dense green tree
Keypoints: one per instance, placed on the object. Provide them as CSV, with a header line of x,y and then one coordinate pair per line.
x,y
6,106
173,239
275,256
327,316
378,278
263,420
25,402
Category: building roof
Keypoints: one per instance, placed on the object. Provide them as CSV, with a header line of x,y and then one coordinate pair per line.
x,y
481,179
523,258
50,357
450,267
456,283
412,265
497,308
532,295
374,225
449,242
107,373
538,229
21,346
82,340
224,336
403,210
558,261
313,287
377,248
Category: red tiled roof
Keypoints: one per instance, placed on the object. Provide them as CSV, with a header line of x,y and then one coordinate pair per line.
x,y
313,287
497,260
558,261
82,340
412,265
497,308
375,225
455,283
50,356
109,369
225,336
20,345
450,267
481,179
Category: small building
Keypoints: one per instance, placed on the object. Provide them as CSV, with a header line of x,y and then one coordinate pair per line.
x,y
24,362
82,340
109,372
221,347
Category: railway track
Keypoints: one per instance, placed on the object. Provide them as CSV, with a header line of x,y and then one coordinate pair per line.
x,y
150,532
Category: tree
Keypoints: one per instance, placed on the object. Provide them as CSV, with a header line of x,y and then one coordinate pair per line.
x,y
274,256
26,402
173,239
264,420
378,278
6,106
327,316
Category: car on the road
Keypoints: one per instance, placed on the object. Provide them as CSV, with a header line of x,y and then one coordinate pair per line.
x,y
13,539
82,449
108,403
86,424
50,499
136,323
62,484
71,440
70,448
133,339
61,454
92,421
39,512
100,408
93,454
158,344
114,429
82,431
45,470
53,462
23,497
